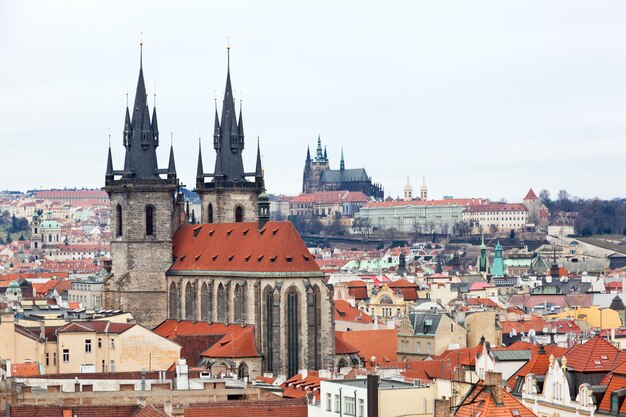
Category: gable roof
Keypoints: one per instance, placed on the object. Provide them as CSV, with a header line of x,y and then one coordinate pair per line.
x,y
531,195
381,344
480,401
595,355
242,248
237,343
345,312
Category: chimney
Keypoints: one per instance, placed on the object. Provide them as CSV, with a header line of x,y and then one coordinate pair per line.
x,y
442,408
372,395
494,380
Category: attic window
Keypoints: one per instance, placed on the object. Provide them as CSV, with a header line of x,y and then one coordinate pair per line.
x,y
197,257
182,258
196,231
604,357
306,258
230,258
247,258
597,362
214,257
274,231
260,258
262,231
288,258
211,232
228,233
273,259
245,232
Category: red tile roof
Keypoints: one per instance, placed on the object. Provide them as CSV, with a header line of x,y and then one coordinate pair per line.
x,y
487,302
24,369
595,355
342,347
444,202
283,408
241,247
78,411
408,289
496,207
238,342
381,344
345,312
98,326
481,402
538,363
298,387
531,195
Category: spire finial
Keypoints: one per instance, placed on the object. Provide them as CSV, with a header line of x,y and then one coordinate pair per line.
x,y
154,100
172,139
126,95
228,51
141,51
109,137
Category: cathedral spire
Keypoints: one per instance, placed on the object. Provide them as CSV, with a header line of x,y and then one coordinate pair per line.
x,y
171,167
319,155
259,168
308,155
325,154
109,173
342,165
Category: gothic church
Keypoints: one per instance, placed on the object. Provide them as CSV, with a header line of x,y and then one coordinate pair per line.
x,y
236,267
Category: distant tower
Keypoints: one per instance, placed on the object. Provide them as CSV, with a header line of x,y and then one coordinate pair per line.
x,y
229,196
497,268
533,204
143,219
408,190
423,190
36,240
483,261
554,268
314,168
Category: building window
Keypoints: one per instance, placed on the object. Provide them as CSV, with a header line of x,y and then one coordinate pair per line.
x,y
54,359
361,407
112,343
206,302
329,402
118,220
104,366
269,328
210,213
189,301
149,221
337,403
66,355
240,303
238,214
428,347
174,299
293,330
88,345
221,304
99,343
112,365
350,406
47,359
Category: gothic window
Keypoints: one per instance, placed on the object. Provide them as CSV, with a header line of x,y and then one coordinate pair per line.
x,y
242,371
221,304
293,332
149,220
118,218
174,301
269,322
238,214
205,303
314,327
189,302
210,213
240,303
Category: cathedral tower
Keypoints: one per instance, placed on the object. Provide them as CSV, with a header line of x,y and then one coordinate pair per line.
x,y
408,191
229,196
143,218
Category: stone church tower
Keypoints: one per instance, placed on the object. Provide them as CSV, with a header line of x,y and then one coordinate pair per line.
x,y
229,196
143,218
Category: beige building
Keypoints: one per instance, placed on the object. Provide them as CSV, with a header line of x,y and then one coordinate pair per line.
x,y
87,346
429,334
503,217
481,324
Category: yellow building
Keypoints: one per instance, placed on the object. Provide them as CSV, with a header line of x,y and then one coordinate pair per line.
x,y
385,303
595,317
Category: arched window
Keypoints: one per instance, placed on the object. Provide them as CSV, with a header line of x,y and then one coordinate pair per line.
x,y
118,220
314,327
269,327
242,371
35,230
238,214
293,333
189,301
221,304
149,220
210,213
240,303
206,303
174,301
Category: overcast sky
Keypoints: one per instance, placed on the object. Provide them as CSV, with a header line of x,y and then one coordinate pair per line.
x,y
484,99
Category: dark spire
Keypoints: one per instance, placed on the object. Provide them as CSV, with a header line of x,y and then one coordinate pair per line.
x,y
200,172
240,125
128,132
259,167
155,124
109,173
308,155
325,154
319,155
171,167
342,165
228,139
140,136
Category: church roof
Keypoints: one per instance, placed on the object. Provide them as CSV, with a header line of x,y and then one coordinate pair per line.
x,y
336,175
242,247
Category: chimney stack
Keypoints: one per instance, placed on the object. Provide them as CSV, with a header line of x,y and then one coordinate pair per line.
x,y
372,395
494,380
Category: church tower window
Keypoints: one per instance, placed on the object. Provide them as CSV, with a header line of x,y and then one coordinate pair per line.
x,y
174,298
238,214
210,213
240,303
149,221
189,302
118,219
269,323
293,333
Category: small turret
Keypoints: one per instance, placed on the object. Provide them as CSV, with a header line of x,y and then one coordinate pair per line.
x,y
264,209
200,170
342,165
